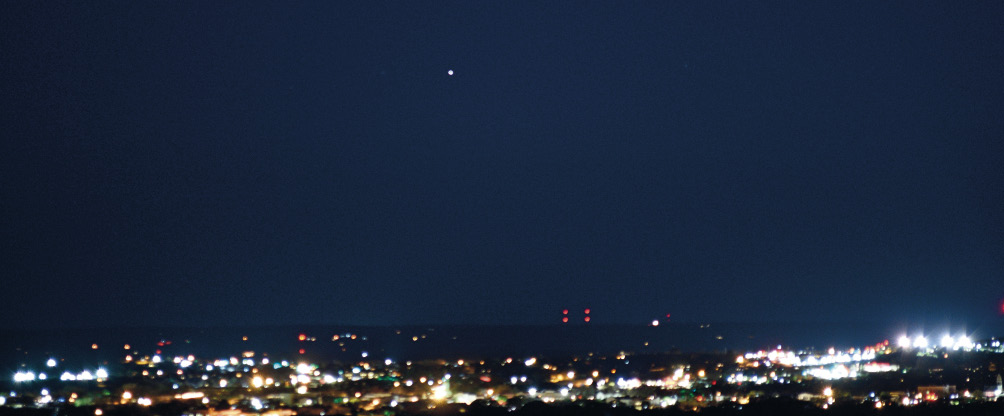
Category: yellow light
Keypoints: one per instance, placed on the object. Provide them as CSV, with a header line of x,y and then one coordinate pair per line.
x,y
126,347
257,382
126,395
301,390
828,392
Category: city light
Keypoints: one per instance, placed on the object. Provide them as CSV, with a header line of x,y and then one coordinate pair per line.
x,y
920,342
24,376
947,341
904,342
51,362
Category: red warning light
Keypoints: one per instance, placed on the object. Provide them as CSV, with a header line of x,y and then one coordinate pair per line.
x,y
303,351
303,337
667,316
587,311
564,319
586,319
564,312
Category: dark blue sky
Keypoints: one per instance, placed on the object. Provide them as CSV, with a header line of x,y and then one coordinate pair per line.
x,y
207,163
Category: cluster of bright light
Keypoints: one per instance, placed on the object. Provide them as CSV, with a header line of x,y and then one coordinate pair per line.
x,y
835,372
802,359
947,341
23,376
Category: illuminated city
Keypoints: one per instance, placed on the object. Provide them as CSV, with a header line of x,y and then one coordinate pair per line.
x,y
956,371
488,208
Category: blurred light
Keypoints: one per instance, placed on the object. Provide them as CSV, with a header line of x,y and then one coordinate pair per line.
x,y
947,341
22,376
101,373
303,368
920,342
587,311
94,346
302,389
256,404
564,319
156,359
302,337
257,382
223,383
828,392
98,412
655,322
126,395
388,361
42,376
904,342
51,362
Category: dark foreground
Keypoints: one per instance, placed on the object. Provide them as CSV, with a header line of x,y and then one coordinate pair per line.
x,y
761,407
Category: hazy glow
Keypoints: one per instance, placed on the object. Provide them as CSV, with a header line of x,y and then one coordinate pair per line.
x,y
51,362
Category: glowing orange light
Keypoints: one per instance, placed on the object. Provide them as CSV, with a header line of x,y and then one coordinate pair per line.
x,y
586,319
564,312
565,319
587,311
303,337
303,351
94,346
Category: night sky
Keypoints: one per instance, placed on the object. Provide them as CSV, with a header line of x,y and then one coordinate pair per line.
x,y
234,163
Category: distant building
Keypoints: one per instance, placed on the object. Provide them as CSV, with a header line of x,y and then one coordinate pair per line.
x,y
936,392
